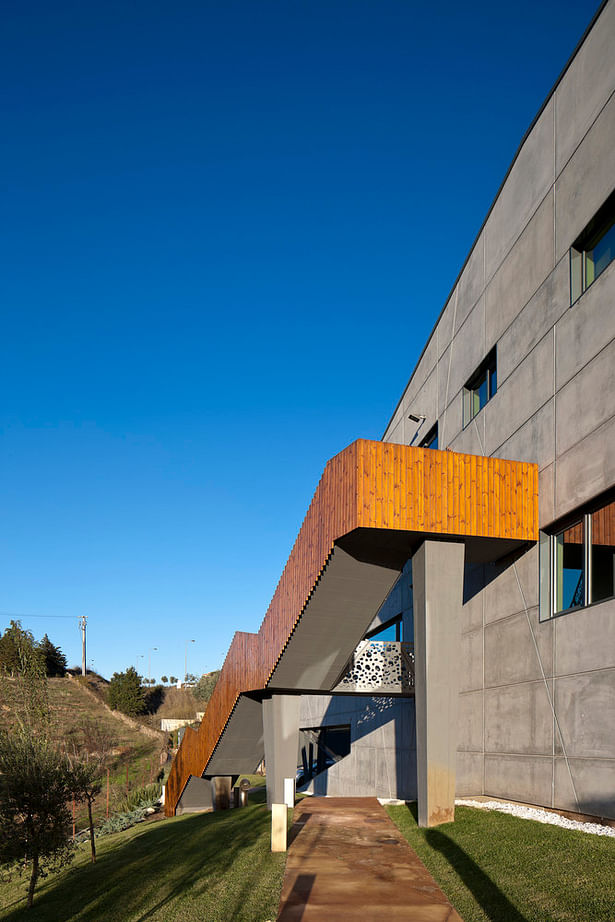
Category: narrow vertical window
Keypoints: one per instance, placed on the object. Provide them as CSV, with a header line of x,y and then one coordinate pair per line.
x,y
603,553
480,388
569,567
593,250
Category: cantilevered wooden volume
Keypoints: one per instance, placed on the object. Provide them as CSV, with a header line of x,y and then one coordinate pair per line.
x,y
368,491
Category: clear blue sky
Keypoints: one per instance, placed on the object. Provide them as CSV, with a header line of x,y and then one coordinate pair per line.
x,y
228,229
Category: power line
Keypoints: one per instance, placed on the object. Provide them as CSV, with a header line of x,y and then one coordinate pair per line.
x,y
18,614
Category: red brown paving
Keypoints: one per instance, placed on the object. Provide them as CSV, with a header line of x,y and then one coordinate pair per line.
x,y
348,861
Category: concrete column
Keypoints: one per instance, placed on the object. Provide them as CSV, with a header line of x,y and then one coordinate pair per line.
x,y
281,735
437,569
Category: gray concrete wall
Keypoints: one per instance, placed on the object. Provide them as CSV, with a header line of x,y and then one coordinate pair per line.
x,y
537,702
382,759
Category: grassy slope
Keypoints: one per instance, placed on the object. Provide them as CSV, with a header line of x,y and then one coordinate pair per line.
x,y
214,867
499,868
71,705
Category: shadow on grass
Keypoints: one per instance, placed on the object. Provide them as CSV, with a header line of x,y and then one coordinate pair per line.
x,y
189,857
489,897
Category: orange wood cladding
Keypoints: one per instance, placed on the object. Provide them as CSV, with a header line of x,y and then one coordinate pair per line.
x,y
368,485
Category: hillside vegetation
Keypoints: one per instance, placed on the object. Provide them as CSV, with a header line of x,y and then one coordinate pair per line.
x,y
83,725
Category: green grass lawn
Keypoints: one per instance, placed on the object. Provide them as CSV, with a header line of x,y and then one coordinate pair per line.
x,y
211,867
498,868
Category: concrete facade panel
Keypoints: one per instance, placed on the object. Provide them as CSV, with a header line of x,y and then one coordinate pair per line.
x,y
546,495
527,184
534,441
447,323
520,395
586,786
586,470
511,656
471,284
585,705
586,401
425,403
541,312
451,421
471,661
521,274
519,719
586,181
468,348
470,738
596,626
469,773
519,777
585,328
585,87
512,588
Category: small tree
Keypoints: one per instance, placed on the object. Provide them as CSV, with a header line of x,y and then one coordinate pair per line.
x,y
126,692
55,661
86,786
15,645
173,680
205,686
36,783
164,679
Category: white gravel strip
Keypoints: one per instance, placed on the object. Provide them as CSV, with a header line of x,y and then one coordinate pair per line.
x,y
541,816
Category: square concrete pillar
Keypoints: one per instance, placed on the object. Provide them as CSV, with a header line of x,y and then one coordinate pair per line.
x,y
437,569
281,736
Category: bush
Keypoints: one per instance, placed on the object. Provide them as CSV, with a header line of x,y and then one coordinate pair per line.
x,y
120,821
125,692
140,798
205,686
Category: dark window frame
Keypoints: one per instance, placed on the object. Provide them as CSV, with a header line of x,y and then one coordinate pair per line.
x,y
474,399
582,268
548,563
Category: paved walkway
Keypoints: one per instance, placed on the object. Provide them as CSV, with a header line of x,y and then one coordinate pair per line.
x,y
348,861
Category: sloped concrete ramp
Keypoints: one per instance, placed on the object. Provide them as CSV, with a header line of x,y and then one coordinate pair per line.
x,y
347,862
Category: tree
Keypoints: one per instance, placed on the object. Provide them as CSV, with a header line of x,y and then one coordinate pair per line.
x,y
15,644
126,692
173,679
36,783
86,785
164,679
205,686
55,661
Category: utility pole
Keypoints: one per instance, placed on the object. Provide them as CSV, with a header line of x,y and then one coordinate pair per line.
x,y
82,623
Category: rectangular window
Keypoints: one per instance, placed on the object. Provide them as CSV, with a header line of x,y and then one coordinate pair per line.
x,y
593,250
577,563
480,388
569,568
431,439
603,553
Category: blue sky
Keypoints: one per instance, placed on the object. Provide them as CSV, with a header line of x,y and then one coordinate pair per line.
x,y
228,230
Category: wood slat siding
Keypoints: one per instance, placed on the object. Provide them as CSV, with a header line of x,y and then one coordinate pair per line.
x,y
368,485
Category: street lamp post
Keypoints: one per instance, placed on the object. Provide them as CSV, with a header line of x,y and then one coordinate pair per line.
x,y
149,664
139,656
186,660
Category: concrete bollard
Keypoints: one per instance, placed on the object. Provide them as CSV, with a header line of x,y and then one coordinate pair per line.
x,y
289,792
279,822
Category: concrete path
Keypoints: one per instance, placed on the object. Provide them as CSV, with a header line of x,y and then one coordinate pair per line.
x,y
348,861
